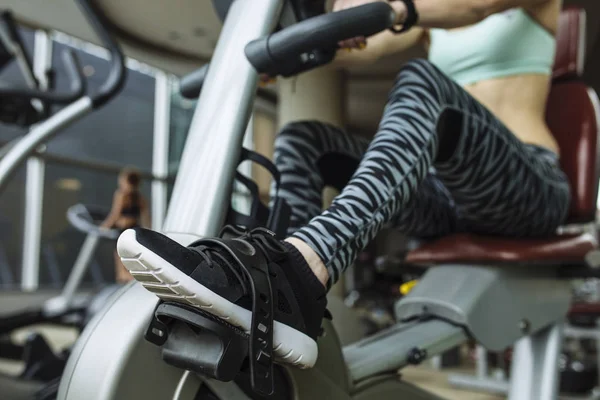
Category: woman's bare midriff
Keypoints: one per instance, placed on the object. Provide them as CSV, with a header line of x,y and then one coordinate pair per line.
x,y
520,103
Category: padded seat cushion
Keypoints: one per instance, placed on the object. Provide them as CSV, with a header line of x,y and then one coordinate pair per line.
x,y
585,308
469,248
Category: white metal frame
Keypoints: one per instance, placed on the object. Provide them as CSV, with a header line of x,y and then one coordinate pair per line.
x,y
34,181
160,148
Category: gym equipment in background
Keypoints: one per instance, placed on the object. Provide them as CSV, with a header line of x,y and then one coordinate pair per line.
x,y
17,110
30,105
71,308
78,104
86,219
495,290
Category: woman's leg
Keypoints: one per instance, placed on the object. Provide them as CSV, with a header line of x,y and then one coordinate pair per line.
x,y
502,186
311,155
519,192
255,282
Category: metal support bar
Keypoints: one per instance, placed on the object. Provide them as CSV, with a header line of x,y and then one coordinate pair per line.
x,y
479,384
39,135
99,166
160,148
91,165
209,160
390,349
482,381
66,298
482,365
534,371
32,232
80,267
42,57
34,181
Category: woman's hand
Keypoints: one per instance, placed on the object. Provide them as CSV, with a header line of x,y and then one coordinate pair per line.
x,y
357,42
265,80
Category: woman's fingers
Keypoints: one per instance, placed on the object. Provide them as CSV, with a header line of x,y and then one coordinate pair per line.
x,y
265,80
354,43
357,42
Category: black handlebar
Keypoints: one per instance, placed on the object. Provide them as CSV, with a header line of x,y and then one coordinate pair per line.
x,y
313,42
191,84
77,89
9,33
113,84
116,77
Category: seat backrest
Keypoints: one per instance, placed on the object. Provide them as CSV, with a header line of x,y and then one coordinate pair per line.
x,y
573,114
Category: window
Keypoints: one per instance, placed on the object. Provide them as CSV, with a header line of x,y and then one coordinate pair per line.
x,y
122,130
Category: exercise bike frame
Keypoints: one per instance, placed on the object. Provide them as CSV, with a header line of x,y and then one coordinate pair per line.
x,y
113,344
112,361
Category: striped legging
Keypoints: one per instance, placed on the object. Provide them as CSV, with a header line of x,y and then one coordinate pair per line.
x,y
439,163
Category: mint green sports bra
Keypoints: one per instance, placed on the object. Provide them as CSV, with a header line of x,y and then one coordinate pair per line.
x,y
504,44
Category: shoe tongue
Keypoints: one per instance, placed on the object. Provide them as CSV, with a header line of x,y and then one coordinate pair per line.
x,y
227,264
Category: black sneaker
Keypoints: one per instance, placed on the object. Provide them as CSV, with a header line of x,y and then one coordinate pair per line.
x,y
213,275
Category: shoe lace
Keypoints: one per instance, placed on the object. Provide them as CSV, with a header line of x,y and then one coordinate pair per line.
x,y
210,256
262,238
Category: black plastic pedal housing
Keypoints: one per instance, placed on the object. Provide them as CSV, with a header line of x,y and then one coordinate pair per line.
x,y
199,342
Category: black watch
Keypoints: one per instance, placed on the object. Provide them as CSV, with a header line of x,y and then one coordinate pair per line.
x,y
411,16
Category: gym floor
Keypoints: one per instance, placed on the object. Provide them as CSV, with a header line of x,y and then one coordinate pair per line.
x,y
437,383
433,381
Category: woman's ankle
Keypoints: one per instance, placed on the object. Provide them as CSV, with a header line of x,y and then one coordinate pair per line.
x,y
312,259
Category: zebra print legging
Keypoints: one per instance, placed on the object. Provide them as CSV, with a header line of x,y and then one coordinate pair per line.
x,y
439,163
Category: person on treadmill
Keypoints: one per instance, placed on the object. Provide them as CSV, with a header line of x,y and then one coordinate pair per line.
x,y
462,146
129,210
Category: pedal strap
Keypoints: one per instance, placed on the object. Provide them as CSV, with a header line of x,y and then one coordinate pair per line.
x,y
255,267
249,155
259,213
277,217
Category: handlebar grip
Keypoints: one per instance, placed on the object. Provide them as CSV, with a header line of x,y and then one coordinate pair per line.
x,y
321,32
190,85
77,89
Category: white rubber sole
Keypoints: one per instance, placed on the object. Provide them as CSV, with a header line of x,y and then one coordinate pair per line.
x,y
158,276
